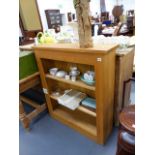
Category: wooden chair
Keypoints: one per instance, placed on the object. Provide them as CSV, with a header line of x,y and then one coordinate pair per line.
x,y
25,84
126,143
126,135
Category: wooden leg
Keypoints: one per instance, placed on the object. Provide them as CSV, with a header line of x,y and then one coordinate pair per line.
x,y
37,111
22,116
118,150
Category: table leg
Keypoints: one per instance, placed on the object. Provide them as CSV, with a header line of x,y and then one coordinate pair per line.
x,y
22,116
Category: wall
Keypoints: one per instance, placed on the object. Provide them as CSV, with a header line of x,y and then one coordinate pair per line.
x,y
64,6
128,4
95,6
109,5
67,6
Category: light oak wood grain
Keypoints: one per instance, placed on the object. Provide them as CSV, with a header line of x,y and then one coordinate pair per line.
x,y
80,108
78,83
67,47
25,84
29,82
123,72
102,58
77,120
29,101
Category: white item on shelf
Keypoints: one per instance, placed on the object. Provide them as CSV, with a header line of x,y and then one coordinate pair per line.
x,y
89,75
67,77
56,93
71,99
73,78
74,71
53,71
61,74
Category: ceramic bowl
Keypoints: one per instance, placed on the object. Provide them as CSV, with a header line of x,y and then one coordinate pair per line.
x,y
61,74
88,82
89,75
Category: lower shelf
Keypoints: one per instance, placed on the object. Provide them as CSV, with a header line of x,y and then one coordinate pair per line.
x,y
85,124
81,108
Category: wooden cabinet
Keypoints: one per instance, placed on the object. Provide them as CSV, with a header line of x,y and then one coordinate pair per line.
x,y
97,124
54,18
124,70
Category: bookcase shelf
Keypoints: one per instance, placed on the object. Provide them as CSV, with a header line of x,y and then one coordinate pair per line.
x,y
98,124
77,120
80,108
78,83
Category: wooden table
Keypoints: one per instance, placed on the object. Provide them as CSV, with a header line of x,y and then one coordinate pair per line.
x,y
26,83
27,47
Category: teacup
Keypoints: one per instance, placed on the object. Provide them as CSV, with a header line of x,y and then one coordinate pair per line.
x,y
53,71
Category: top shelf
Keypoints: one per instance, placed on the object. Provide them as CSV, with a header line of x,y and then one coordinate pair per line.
x,y
76,83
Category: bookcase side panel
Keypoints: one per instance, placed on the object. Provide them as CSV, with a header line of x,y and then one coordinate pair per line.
x,y
105,73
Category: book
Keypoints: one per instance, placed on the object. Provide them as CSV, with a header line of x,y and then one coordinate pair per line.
x,y
71,99
89,102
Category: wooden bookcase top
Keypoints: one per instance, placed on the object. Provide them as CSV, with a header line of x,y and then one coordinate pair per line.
x,y
68,47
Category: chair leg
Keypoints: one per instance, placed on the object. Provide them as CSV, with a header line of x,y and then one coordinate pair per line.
x,y
22,116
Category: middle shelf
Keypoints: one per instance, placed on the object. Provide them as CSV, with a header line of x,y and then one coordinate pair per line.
x,y
78,83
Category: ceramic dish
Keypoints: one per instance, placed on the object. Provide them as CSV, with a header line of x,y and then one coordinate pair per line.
x,y
88,82
61,74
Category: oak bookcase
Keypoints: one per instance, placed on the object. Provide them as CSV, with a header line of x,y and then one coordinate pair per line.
x,y
97,124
